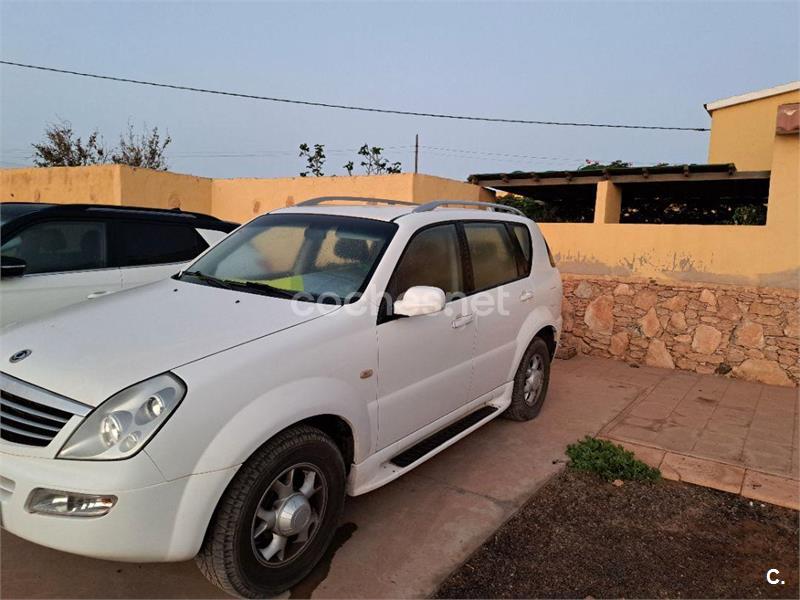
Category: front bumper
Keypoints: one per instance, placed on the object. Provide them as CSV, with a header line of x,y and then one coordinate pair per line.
x,y
154,520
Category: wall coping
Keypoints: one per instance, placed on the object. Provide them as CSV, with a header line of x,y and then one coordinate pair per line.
x,y
687,285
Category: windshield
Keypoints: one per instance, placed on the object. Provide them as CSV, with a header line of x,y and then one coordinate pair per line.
x,y
11,210
306,256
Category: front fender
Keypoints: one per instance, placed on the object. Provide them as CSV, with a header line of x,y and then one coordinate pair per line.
x,y
226,437
239,399
278,409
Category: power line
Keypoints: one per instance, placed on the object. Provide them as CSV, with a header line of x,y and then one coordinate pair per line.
x,y
500,154
346,106
268,153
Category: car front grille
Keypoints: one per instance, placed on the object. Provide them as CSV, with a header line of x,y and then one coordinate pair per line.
x,y
26,422
32,416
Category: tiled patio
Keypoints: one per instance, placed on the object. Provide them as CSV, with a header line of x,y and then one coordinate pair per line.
x,y
725,433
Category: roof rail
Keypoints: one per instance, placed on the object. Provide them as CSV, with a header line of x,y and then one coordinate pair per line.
x,y
490,205
321,199
173,212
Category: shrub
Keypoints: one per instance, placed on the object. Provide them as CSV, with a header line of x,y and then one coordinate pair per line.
x,y
609,461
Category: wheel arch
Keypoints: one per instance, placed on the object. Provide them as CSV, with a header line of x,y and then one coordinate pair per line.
x,y
337,427
340,431
539,323
548,334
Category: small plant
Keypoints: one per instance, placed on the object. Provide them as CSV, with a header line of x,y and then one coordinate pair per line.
x,y
608,460
374,163
315,161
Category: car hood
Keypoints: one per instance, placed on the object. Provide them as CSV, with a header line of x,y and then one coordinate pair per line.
x,y
92,350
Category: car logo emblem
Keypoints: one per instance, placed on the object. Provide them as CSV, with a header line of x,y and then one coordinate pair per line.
x,y
21,355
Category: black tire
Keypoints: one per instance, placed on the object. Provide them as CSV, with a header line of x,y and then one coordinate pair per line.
x,y
520,408
229,558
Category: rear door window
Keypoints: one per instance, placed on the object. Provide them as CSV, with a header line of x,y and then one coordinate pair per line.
x,y
492,254
60,246
141,243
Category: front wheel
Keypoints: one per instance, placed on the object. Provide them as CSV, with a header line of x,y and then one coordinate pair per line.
x,y
530,382
277,517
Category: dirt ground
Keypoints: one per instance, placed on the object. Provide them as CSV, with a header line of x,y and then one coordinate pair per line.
x,y
580,537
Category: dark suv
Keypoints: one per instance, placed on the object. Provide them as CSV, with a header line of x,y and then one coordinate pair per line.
x,y
54,255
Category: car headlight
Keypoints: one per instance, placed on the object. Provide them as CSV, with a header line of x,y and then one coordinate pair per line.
x,y
123,424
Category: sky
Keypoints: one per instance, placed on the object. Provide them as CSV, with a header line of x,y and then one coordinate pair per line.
x,y
650,63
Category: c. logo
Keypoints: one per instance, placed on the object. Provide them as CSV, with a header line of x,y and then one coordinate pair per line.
x,y
774,580
21,355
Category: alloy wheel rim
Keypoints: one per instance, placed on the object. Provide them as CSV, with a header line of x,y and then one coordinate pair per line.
x,y
289,514
534,379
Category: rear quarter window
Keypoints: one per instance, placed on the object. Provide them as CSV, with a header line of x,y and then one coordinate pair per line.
x,y
492,253
549,253
523,237
140,243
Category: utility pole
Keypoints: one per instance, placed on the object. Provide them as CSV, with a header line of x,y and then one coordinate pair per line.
x,y
416,154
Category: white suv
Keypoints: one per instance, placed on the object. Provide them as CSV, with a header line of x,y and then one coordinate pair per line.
x,y
318,351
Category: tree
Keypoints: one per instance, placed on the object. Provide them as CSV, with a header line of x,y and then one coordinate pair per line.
x,y
145,150
374,163
314,160
60,148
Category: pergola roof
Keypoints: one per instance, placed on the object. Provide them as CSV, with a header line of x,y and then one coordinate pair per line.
x,y
518,181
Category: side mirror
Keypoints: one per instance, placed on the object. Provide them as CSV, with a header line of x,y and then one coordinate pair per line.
x,y
420,300
11,266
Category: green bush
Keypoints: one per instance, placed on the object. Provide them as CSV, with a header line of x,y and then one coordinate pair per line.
x,y
609,461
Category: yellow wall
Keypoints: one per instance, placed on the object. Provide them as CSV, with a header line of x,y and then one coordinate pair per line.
x,y
161,189
231,199
427,188
68,185
106,184
743,133
755,256
242,199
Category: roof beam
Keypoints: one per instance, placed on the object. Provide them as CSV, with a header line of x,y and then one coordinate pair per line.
x,y
650,177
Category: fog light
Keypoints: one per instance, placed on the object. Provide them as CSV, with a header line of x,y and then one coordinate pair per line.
x,y
69,504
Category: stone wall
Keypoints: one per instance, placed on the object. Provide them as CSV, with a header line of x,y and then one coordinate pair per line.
x,y
748,333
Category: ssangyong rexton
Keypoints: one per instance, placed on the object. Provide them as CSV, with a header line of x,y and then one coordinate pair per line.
x,y
318,351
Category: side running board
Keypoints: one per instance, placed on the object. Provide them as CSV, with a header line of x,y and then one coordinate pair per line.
x,y
430,443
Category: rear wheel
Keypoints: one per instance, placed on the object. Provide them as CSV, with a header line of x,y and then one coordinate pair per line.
x,y
277,517
530,382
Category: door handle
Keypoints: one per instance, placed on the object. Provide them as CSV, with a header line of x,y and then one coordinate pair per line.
x,y
461,321
98,294
525,296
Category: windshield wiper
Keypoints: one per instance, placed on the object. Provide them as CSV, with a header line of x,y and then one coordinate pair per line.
x,y
266,288
208,279
228,284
